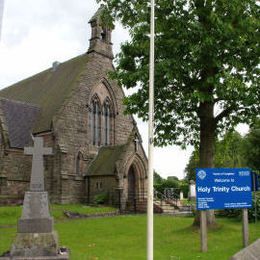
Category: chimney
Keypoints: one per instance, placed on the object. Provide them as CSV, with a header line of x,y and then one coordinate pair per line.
x,y
55,65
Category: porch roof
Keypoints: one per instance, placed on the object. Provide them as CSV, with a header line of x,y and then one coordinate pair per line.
x,y
105,162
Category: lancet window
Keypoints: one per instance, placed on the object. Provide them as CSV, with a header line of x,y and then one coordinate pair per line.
x,y
101,121
96,121
79,164
107,122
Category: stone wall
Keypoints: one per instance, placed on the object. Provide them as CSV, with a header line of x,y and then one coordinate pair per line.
x,y
101,185
71,136
71,126
73,189
15,173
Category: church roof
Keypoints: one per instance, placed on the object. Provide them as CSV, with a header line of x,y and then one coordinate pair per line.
x,y
19,119
105,162
48,90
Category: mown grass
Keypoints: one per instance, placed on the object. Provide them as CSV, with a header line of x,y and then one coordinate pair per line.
x,y
124,238
10,215
57,211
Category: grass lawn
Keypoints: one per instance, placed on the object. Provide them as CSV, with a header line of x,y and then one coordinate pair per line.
x,y
123,237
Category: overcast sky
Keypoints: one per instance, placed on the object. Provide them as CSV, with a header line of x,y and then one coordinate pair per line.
x,y
35,33
1,15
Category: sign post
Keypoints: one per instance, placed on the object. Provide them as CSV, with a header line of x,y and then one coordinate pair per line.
x,y
223,188
245,227
203,231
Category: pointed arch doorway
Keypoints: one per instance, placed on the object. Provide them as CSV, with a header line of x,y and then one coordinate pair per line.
x,y
135,186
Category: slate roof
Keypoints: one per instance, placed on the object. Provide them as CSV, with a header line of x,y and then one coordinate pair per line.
x,y
48,90
19,118
105,161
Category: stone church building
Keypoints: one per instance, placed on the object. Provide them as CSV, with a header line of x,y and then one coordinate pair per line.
x,y
78,110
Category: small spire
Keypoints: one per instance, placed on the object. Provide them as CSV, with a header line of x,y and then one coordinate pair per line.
x,y
98,14
100,41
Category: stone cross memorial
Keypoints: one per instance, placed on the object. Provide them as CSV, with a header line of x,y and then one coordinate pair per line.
x,y
37,176
36,216
36,238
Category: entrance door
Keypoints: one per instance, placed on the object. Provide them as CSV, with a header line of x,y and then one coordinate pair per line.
x,y
131,186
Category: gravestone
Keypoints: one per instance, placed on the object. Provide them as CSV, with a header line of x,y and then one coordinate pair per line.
x,y
192,190
252,252
181,195
36,238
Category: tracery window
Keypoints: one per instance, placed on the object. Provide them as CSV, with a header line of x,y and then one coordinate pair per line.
x,y
96,121
101,120
107,122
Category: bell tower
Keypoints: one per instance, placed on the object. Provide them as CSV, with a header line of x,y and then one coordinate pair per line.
x,y
100,41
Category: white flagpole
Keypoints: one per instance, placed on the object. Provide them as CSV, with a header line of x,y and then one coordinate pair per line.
x,y
151,140
1,16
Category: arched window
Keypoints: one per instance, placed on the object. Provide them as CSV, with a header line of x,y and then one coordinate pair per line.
x,y
79,164
95,121
107,122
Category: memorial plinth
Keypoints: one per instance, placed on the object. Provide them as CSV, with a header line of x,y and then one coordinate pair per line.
x,y
35,237
252,252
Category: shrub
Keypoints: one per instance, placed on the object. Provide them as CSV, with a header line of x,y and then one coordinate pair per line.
x,y
256,204
237,213
101,198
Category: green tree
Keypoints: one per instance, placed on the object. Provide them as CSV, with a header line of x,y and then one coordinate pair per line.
x,y
157,178
229,151
228,154
192,165
184,187
251,147
167,184
207,73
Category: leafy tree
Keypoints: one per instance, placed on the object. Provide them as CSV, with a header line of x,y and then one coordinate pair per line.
x,y
157,178
192,165
184,187
228,154
172,178
229,151
167,184
207,73
251,148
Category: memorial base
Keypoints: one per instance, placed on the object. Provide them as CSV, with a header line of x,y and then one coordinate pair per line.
x,y
35,244
35,238
252,252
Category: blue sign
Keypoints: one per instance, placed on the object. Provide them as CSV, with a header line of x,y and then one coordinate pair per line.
x,y
223,188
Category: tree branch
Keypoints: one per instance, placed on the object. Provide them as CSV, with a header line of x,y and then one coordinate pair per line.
x,y
224,113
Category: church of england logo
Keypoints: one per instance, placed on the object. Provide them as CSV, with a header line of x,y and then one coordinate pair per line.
x,y
202,174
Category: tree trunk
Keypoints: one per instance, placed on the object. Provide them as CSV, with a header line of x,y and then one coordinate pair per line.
x,y
207,147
